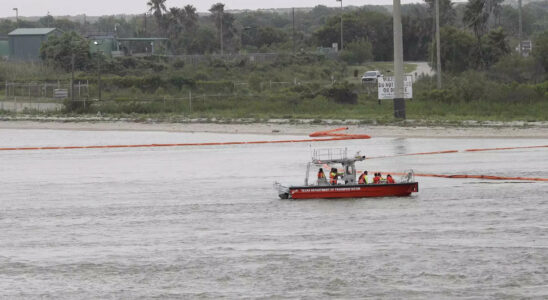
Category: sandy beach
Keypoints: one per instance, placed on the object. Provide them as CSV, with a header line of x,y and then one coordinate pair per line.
x,y
273,128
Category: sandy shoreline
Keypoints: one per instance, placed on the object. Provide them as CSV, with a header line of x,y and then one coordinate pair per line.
x,y
288,129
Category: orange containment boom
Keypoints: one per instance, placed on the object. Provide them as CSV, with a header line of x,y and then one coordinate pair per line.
x,y
327,137
411,154
506,148
346,136
457,151
461,176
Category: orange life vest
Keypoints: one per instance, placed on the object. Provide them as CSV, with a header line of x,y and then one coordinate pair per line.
x,y
377,179
362,179
333,177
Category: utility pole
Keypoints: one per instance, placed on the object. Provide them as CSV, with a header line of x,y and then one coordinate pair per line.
x,y
438,44
16,15
293,30
99,53
342,39
72,80
99,73
145,24
222,46
399,101
520,27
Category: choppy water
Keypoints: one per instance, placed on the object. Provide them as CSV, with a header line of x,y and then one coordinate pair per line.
x,y
204,222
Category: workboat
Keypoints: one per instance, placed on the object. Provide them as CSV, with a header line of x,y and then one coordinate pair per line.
x,y
345,184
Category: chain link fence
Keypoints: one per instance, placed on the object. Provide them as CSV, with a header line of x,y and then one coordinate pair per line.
x,y
57,96
251,57
41,96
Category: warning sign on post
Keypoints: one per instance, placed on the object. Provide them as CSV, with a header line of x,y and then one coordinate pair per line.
x,y
387,85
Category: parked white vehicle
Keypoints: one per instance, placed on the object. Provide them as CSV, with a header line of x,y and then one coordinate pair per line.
x,y
371,76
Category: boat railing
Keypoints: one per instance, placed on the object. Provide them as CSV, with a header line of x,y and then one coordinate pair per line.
x,y
329,154
280,188
408,176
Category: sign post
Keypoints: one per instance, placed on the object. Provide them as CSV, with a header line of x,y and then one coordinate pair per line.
x,y
387,87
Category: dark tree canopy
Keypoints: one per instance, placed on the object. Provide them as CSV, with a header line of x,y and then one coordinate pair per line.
x,y
58,50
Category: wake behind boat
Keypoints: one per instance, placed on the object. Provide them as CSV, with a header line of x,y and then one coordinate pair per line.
x,y
344,185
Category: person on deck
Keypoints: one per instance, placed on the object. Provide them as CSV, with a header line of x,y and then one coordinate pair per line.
x,y
381,179
377,178
322,180
321,174
333,175
363,178
389,179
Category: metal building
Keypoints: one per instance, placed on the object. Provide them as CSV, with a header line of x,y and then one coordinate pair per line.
x,y
25,43
104,44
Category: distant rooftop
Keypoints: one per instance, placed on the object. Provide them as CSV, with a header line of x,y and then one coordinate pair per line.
x,y
32,31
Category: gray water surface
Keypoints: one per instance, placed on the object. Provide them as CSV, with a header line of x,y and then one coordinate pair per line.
x,y
204,222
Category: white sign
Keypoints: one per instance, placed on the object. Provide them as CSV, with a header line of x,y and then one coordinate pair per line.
x,y
60,93
387,85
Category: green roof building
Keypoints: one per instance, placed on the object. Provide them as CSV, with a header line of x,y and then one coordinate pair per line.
x,y
105,44
25,43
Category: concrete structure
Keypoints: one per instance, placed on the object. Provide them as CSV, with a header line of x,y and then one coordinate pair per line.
x,y
25,43
112,46
105,44
150,44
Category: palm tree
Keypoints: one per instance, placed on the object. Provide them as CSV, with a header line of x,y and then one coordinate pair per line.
x,y
496,10
447,11
191,17
476,16
217,10
181,19
174,19
157,7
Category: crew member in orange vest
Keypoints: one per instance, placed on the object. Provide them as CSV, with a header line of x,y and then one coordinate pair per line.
x,y
377,178
389,179
363,178
333,176
321,174
381,179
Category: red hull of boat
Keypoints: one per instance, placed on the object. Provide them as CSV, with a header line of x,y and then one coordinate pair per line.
x,y
354,191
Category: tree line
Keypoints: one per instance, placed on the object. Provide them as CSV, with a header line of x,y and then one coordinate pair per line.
x,y
474,35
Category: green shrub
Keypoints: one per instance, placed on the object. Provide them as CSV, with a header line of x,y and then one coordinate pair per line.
x,y
444,96
74,106
178,81
255,83
151,83
178,64
341,93
215,86
540,50
306,91
357,52
515,68
128,62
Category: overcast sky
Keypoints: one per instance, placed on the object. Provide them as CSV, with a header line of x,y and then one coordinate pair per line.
x,y
110,7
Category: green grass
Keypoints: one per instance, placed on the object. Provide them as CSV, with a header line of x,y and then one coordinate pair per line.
x,y
489,100
319,108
